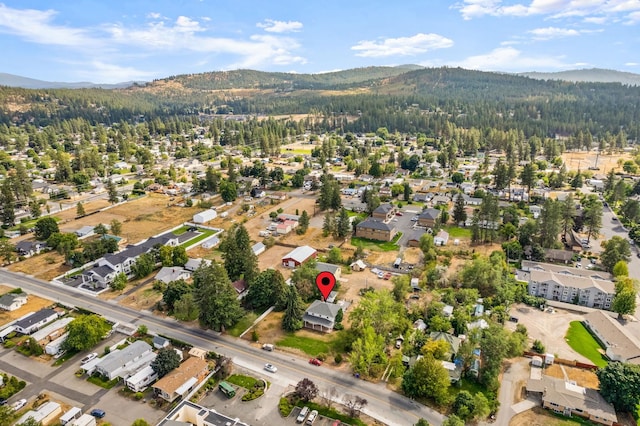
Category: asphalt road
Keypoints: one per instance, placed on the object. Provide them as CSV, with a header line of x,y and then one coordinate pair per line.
x,y
384,405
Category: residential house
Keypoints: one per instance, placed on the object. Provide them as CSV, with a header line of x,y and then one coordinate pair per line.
x,y
35,321
440,200
126,362
441,238
12,301
51,331
365,178
45,414
556,255
336,270
414,235
385,191
210,242
384,212
168,274
241,288
182,380
421,197
429,217
569,399
142,379
321,316
535,211
454,370
447,311
453,342
283,217
481,324
358,265
468,200
30,248
569,288
620,343
188,413
298,256
193,264
375,229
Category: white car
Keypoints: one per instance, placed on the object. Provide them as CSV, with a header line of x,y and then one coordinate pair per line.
x,y
19,404
88,358
270,368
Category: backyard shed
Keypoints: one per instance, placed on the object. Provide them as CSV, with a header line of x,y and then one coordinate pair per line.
x,y
205,216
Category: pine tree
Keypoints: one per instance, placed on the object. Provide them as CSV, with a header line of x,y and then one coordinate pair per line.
x,y
292,320
112,191
216,298
459,213
343,225
328,225
80,209
239,259
303,223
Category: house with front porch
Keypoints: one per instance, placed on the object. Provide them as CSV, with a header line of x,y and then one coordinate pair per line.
x,y
321,316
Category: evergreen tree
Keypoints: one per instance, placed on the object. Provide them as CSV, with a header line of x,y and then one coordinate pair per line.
x,y
329,224
567,213
592,216
303,223
528,177
216,298
239,259
292,320
549,224
343,225
80,209
112,191
459,213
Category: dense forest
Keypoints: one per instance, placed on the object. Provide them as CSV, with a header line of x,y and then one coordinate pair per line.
x,y
399,98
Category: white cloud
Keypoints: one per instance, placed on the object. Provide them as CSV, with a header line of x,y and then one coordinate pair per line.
x,y
101,72
402,46
273,26
510,59
633,18
154,15
187,25
552,32
36,26
594,10
631,64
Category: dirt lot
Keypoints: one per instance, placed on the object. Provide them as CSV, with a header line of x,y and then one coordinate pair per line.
x,y
583,160
141,219
34,304
582,377
549,328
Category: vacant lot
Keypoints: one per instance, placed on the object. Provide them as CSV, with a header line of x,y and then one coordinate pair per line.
x,y
583,160
140,218
34,304
549,328
582,377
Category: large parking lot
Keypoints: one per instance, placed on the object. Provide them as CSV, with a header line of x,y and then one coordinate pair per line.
x,y
549,328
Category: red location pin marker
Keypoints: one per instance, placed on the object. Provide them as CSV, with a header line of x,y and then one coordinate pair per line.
x,y
325,282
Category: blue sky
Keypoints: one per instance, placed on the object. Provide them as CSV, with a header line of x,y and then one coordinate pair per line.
x,y
114,41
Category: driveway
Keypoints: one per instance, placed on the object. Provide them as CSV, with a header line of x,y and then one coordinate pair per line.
x,y
547,327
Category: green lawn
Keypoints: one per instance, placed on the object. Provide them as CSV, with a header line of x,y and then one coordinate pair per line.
x,y
309,346
469,385
581,341
241,380
100,381
31,223
457,232
206,233
375,245
244,323
181,230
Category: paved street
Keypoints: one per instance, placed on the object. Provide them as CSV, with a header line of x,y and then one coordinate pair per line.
x,y
389,407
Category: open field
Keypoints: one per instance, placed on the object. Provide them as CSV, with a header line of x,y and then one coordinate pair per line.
x,y
583,160
34,304
538,416
582,377
141,219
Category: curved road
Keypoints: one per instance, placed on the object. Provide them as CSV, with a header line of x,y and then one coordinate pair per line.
x,y
384,405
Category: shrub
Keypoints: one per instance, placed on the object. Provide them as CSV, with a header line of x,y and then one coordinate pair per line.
x,y
538,347
285,407
338,358
254,335
138,396
9,344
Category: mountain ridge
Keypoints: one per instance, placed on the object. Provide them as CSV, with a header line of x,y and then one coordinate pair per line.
x,y
587,75
13,80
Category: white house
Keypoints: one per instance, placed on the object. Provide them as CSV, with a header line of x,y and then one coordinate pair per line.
x,y
43,415
258,248
34,321
142,379
54,347
210,242
126,362
205,216
12,301
169,274
441,238
321,316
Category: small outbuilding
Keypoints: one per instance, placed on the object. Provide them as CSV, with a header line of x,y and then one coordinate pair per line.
x,y
205,216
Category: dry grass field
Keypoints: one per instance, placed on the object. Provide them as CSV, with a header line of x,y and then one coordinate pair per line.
x,y
583,160
34,304
582,377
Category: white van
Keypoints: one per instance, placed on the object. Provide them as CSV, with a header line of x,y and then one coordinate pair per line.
x,y
302,415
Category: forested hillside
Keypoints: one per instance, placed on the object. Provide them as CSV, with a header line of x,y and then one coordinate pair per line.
x,y
361,100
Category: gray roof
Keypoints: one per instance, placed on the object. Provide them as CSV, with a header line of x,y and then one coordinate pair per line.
x,y
383,208
370,223
619,339
102,271
322,267
566,394
8,298
321,313
572,281
529,265
35,318
431,214
117,359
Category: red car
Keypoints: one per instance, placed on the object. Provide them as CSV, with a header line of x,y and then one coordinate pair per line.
x,y
398,214
315,361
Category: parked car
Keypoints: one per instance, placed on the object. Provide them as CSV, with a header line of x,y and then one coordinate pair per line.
x,y
398,213
98,413
315,361
270,368
267,347
302,415
312,417
19,404
414,219
88,358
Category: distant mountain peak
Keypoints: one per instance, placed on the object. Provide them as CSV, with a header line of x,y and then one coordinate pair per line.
x,y
13,80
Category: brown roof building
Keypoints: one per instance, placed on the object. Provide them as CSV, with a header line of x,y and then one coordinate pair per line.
x,y
182,380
